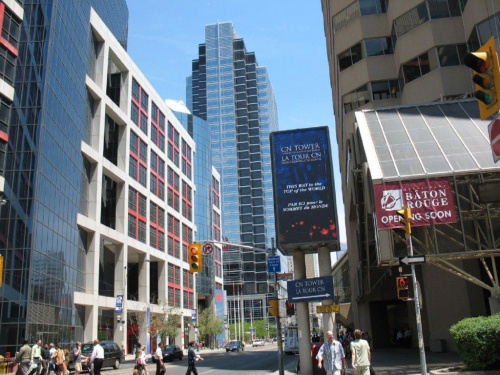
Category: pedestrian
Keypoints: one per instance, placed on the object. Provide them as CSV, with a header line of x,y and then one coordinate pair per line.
x,y
140,363
52,364
361,355
160,367
36,358
97,357
77,357
192,358
66,361
58,358
331,356
45,359
24,357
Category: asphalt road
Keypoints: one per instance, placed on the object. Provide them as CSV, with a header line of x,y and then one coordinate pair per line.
x,y
251,361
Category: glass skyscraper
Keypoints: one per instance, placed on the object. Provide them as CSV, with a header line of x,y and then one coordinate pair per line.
x,y
39,238
207,206
234,95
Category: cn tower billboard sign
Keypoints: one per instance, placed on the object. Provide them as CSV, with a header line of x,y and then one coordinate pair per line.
x,y
431,202
304,194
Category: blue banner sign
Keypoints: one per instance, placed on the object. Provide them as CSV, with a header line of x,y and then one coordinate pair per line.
x,y
308,290
304,194
193,315
119,304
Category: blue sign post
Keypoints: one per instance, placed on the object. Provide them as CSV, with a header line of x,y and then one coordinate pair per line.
x,y
273,263
308,290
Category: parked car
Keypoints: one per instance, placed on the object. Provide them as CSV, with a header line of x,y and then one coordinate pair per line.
x,y
171,352
258,343
113,355
235,345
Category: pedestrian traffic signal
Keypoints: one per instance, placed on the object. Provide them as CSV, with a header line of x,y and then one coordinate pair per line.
x,y
195,258
402,287
487,80
274,307
290,309
405,214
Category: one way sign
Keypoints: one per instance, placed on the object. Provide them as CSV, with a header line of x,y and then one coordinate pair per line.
x,y
412,259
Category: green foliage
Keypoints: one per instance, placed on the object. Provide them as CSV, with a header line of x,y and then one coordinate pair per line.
x,y
478,342
260,330
209,324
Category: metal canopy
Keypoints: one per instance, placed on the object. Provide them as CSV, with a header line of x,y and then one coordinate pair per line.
x,y
428,140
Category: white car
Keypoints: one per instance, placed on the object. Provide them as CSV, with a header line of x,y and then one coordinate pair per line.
x,y
258,343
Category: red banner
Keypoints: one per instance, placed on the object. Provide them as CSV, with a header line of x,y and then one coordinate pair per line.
x,y
431,202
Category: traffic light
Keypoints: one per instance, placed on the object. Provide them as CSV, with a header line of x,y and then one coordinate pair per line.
x,y
402,287
274,307
290,309
1,270
195,258
487,80
405,214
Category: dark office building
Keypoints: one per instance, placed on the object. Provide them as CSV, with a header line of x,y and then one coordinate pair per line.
x,y
233,93
44,170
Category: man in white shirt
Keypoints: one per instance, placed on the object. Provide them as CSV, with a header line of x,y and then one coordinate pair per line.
x,y
97,357
331,356
52,350
159,359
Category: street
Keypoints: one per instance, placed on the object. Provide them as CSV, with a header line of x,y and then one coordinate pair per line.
x,y
259,360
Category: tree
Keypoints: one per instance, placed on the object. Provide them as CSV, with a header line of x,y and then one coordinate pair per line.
x,y
165,324
209,324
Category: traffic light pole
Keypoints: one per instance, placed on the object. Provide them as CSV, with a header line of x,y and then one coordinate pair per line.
x,y
278,322
416,298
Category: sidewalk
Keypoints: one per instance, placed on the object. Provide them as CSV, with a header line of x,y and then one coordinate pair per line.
x,y
399,361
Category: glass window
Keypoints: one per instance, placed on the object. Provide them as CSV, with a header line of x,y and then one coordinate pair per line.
x,y
356,99
135,90
411,19
385,90
350,57
368,7
451,55
378,46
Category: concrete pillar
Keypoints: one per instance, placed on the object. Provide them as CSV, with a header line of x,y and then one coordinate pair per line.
x,y
494,305
325,269
303,328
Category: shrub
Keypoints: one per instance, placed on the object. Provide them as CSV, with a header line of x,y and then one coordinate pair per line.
x,y
478,342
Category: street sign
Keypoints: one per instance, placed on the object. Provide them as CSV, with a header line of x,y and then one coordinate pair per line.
x,y
307,290
273,263
328,309
284,276
208,248
412,259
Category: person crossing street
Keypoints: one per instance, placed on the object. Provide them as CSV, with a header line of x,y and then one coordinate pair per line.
x,y
192,358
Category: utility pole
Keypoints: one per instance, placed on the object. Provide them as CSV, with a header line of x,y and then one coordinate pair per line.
x,y
405,213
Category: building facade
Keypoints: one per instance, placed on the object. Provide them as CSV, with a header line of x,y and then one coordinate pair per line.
x,y
99,183
207,201
234,95
385,54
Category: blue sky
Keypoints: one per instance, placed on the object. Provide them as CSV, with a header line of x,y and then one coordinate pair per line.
x,y
286,36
